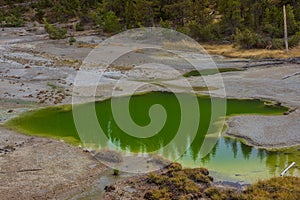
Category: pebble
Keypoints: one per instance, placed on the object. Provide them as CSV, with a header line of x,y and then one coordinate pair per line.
x,y
130,189
109,188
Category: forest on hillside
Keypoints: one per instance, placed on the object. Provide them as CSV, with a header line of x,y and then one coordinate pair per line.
x,y
247,23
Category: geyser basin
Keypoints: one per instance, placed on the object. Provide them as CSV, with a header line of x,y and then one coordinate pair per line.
x,y
229,159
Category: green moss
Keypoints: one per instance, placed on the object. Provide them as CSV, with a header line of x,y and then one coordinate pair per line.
x,y
174,167
199,175
156,179
177,182
181,185
160,194
280,188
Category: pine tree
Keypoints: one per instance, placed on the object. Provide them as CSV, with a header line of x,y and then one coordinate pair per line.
x,y
144,13
201,12
232,17
272,24
293,26
178,11
130,14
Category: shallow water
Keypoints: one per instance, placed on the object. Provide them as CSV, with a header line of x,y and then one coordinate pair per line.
x,y
229,159
233,161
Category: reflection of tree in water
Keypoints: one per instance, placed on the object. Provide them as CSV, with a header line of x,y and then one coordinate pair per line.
x,y
278,161
272,162
231,148
211,155
261,153
227,142
232,144
195,150
196,146
246,150
234,148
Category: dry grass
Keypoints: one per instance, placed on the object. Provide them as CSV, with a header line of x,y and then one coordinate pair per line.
x,y
121,68
178,183
230,51
233,52
183,45
139,51
86,45
68,62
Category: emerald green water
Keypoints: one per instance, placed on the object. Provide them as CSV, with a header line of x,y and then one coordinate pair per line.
x,y
229,159
206,72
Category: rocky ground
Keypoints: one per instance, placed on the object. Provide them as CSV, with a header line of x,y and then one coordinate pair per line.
x,y
40,168
266,131
267,83
36,72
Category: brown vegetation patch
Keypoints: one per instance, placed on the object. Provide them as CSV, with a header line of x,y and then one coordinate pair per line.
x,y
174,182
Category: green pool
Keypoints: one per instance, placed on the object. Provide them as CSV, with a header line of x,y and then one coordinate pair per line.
x,y
229,159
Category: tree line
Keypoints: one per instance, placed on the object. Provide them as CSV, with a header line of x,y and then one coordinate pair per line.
x,y
248,23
